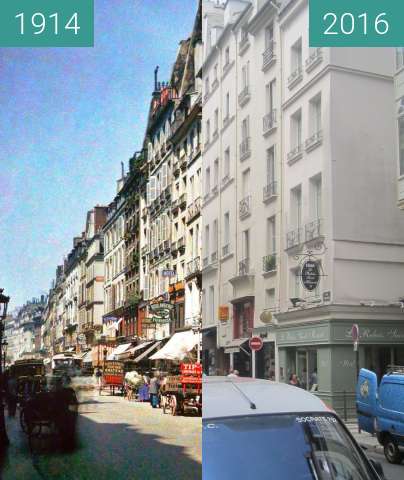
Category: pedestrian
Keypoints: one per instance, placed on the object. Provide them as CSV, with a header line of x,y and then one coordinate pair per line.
x,y
154,391
293,380
98,376
11,395
313,380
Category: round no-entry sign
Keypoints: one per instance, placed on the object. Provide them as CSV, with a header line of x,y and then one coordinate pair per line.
x,y
256,343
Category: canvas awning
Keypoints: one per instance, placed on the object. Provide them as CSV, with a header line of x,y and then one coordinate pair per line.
x,y
235,345
179,345
145,354
118,350
132,350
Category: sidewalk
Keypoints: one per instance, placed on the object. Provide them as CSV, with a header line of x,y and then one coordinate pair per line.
x,y
364,439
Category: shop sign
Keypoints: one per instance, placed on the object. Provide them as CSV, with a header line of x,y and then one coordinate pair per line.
x,y
161,320
256,343
310,275
169,273
223,313
162,309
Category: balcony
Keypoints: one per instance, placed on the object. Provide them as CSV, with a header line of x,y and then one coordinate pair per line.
x,y
156,252
244,267
314,141
166,245
226,250
176,168
294,238
181,243
270,191
226,67
295,154
194,209
213,257
174,248
244,96
269,122
245,207
175,205
215,191
268,57
295,77
194,267
245,148
183,162
205,262
225,181
182,200
269,263
313,230
215,84
314,59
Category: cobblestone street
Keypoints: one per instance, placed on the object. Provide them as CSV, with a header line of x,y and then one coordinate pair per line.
x,y
116,440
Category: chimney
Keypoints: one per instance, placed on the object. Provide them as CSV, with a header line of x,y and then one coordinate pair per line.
x,y
156,71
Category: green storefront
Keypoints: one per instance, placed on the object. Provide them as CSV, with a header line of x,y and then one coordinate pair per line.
x,y
320,340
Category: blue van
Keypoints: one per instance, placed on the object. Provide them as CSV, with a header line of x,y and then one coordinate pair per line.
x,y
380,410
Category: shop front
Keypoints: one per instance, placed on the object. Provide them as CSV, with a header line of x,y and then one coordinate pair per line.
x,y
321,352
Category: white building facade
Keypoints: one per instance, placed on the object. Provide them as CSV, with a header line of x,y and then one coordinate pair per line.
x,y
308,151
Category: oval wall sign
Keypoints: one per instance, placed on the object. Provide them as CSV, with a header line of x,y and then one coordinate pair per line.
x,y
310,275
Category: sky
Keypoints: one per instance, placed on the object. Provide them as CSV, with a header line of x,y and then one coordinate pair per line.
x,y
68,118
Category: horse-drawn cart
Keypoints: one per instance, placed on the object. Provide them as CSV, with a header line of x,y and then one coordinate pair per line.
x,y
182,393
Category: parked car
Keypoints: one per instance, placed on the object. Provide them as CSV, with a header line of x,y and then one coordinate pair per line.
x,y
261,429
380,410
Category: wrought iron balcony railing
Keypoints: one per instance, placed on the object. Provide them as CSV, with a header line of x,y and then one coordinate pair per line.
x,y
314,59
269,121
270,191
268,57
245,148
295,76
244,267
294,238
314,140
313,230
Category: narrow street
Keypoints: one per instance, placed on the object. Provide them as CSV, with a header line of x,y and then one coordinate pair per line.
x,y
116,440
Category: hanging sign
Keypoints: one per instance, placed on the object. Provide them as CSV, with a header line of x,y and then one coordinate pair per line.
x,y
162,309
310,275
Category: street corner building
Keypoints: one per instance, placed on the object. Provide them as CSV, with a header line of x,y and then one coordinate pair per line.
x,y
299,164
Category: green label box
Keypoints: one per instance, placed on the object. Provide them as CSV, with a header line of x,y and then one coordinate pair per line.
x,y
356,23
46,23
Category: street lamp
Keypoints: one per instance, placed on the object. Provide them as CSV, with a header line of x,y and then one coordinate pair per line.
x,y
5,345
3,314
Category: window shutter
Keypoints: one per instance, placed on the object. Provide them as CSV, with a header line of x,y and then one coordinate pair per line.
x,y
164,177
152,188
148,194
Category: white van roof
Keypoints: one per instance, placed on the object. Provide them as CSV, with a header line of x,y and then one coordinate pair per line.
x,y
231,397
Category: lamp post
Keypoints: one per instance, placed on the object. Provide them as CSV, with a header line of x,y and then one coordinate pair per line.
x,y
5,345
3,314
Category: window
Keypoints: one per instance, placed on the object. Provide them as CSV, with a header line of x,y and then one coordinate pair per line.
x,y
215,72
212,302
216,122
296,283
399,58
246,244
315,197
270,298
245,128
207,181
296,56
296,206
207,131
227,56
215,237
270,96
270,166
246,183
401,143
226,229
207,239
227,105
269,36
315,114
216,173
245,76
226,167
296,130
271,236
207,86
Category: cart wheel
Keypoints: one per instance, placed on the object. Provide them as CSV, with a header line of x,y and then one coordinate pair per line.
x,y
173,405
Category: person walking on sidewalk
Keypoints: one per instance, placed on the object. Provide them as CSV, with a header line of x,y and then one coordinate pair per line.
x,y
98,376
154,391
